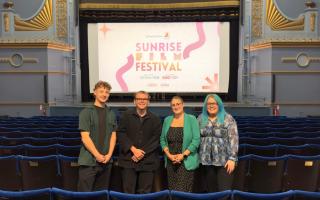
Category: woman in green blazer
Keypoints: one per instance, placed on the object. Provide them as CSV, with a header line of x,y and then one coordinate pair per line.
x,y
180,139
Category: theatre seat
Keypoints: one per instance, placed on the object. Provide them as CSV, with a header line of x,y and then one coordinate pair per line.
x,y
265,175
69,172
301,174
10,179
39,172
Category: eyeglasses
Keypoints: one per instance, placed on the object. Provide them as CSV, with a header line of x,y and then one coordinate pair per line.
x,y
141,99
212,104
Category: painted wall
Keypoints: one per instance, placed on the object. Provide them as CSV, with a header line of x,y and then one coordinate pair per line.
x,y
271,80
48,81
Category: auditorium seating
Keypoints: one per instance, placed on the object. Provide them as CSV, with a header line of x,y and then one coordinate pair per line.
x,y
267,151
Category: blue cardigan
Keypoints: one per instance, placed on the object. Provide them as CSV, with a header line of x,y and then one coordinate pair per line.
x,y
191,139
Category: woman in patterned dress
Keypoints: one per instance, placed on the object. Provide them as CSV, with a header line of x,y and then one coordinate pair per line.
x,y
180,139
219,144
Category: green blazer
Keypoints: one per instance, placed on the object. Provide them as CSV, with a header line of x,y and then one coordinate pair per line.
x,y
191,139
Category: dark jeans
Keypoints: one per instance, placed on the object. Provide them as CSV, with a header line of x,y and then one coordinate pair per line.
x,y
139,182
217,178
94,178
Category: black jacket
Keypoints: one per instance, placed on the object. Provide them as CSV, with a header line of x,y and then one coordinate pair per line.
x,y
143,134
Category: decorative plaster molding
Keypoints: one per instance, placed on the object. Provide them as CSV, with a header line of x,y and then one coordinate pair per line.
x,y
204,4
302,59
17,60
33,44
61,18
312,22
283,44
40,22
256,11
278,22
6,22
33,72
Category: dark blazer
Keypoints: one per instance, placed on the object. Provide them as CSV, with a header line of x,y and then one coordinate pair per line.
x,y
143,134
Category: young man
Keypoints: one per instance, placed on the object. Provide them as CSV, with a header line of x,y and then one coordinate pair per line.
x,y
139,134
97,124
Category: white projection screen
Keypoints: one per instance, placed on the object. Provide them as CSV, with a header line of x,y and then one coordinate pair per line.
x,y
160,57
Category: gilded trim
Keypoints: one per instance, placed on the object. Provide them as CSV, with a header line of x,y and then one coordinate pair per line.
x,y
61,18
312,22
33,72
40,22
284,44
278,22
47,45
221,3
256,12
6,22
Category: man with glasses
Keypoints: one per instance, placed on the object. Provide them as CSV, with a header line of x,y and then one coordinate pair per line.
x,y
138,134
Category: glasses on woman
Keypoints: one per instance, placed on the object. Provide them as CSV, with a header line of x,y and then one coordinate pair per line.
x,y
211,104
141,99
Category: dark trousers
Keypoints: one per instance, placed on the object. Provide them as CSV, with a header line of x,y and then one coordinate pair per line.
x,y
217,179
139,182
94,178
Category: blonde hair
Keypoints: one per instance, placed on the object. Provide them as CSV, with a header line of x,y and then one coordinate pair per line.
x,y
177,97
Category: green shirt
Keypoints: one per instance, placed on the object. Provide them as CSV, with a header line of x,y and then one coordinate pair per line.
x,y
89,121
191,139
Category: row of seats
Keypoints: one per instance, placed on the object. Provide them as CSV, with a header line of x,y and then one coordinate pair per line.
x,y
68,134
30,150
74,127
294,141
312,134
244,149
279,150
7,141
253,173
40,134
53,193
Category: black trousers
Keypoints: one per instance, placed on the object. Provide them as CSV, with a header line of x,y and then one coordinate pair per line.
x,y
136,182
216,178
94,178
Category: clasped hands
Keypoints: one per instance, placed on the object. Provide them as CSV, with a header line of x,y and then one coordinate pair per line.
x,y
103,158
138,154
175,158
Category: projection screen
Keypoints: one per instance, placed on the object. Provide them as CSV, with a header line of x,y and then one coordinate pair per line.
x,y
160,57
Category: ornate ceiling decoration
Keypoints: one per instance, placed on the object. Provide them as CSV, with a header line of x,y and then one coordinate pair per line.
x,y
42,21
278,22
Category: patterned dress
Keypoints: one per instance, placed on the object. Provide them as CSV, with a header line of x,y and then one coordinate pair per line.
x,y
179,178
219,143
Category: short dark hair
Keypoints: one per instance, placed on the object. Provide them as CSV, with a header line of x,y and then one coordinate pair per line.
x,y
102,84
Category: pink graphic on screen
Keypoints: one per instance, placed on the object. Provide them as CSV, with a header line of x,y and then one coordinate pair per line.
x,y
198,44
104,29
219,29
122,71
213,84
